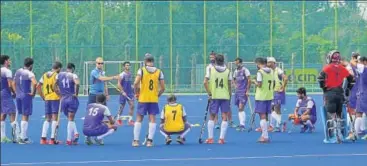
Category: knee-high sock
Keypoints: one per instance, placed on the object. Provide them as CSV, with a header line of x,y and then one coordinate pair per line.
x,y
223,129
46,125
3,133
53,129
152,128
137,128
110,131
264,128
24,126
242,117
210,128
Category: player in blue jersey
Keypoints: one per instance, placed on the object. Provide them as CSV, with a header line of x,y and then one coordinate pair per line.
x,y
68,84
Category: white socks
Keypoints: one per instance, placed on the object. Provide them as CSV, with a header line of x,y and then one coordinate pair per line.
x,y
184,133
53,129
223,129
358,125
264,128
137,128
69,131
152,127
17,128
24,128
309,123
3,133
46,125
277,118
242,117
210,128
110,131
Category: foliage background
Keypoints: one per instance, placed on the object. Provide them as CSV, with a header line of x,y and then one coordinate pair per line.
x,y
181,34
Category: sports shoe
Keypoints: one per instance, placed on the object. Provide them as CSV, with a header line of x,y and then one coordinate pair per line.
x,y
76,139
135,143
221,141
131,123
284,127
311,129
149,143
69,143
364,137
217,126
54,142
98,141
88,141
258,129
168,140
304,128
232,124
209,141
5,140
263,140
43,141
270,129
25,141
119,122
351,136
240,128
181,140
276,129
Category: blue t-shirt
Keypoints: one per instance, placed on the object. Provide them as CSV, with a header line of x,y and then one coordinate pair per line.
x,y
96,85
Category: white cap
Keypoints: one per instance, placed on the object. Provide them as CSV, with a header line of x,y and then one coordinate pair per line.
x,y
271,59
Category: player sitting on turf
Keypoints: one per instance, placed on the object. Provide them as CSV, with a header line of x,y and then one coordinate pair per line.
x,y
127,94
173,121
242,81
219,90
47,91
307,117
68,85
94,126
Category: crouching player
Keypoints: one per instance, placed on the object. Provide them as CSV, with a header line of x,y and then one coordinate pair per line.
x,y
307,117
173,121
94,125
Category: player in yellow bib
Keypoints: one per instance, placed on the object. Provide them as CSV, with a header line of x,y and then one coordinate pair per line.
x,y
264,95
219,90
281,81
149,86
46,89
173,121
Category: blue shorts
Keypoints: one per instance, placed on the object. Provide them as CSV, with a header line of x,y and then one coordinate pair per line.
x,y
148,108
69,104
263,107
96,130
7,105
279,98
25,105
52,107
123,98
222,104
240,99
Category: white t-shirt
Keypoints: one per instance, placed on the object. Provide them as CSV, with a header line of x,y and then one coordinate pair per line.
x,y
151,69
259,77
219,68
247,72
5,72
310,103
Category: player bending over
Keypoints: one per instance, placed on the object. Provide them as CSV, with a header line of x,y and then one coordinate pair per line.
x,y
125,86
331,80
25,88
52,102
242,82
148,78
264,95
68,84
7,96
94,126
173,121
219,90
279,96
307,115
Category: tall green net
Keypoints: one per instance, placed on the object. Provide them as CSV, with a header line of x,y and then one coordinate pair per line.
x,y
181,35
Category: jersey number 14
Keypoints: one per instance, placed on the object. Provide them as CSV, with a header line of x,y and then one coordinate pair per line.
x,y
219,83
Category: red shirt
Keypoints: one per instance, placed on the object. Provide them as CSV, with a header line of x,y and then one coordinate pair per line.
x,y
335,74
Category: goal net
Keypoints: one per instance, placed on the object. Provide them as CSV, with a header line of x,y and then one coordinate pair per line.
x,y
111,68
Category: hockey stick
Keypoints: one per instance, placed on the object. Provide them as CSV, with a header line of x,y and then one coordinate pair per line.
x,y
204,123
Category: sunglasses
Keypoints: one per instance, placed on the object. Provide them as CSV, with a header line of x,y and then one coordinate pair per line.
x,y
100,63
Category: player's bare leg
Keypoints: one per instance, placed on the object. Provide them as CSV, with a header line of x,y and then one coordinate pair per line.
x,y
241,117
4,139
137,129
223,127
152,128
53,130
71,129
24,128
264,129
46,125
121,110
211,123
131,113
216,122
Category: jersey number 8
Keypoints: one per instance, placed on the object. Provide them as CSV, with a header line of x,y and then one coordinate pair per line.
x,y
151,85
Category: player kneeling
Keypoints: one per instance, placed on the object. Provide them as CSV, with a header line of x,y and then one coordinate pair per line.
x,y
94,126
307,117
173,121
